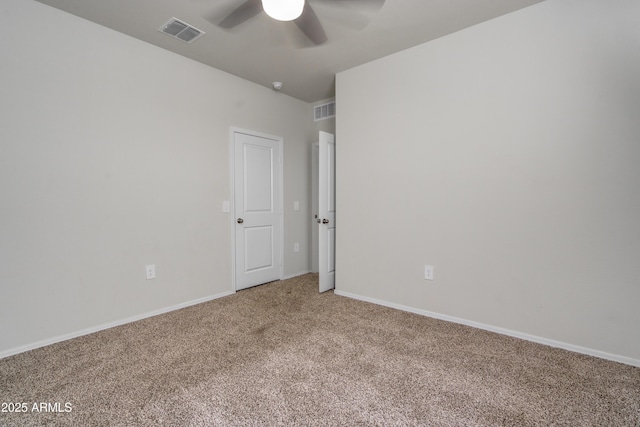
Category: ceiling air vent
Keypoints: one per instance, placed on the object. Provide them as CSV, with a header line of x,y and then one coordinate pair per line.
x,y
324,111
179,30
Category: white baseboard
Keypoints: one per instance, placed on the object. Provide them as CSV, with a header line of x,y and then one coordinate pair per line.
x,y
490,328
87,331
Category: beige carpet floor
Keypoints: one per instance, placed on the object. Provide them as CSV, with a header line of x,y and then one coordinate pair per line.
x,y
282,354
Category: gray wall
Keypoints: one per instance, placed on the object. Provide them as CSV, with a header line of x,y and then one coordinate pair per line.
x,y
507,156
115,154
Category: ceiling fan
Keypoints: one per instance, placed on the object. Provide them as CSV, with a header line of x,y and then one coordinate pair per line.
x,y
298,11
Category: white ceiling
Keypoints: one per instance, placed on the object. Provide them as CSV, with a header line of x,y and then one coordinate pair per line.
x,y
263,50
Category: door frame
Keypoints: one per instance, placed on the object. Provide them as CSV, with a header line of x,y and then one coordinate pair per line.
x,y
232,218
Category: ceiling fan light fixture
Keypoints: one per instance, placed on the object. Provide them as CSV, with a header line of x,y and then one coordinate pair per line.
x,y
283,10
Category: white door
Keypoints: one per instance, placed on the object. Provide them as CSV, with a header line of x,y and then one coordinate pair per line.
x,y
326,211
314,207
258,208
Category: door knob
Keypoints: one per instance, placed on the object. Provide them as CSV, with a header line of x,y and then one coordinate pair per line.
x,y
325,221
240,220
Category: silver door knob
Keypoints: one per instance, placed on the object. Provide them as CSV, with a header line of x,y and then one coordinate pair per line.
x,y
240,220
325,221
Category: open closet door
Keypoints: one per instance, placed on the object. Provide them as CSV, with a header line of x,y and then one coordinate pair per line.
x,y
327,211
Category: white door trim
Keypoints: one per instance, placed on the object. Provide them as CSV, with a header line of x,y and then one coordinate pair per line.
x,y
232,218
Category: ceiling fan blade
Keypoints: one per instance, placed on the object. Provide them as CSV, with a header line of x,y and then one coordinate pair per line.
x,y
354,14
310,25
244,12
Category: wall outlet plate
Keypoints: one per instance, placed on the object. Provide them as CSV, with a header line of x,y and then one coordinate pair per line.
x,y
428,272
150,271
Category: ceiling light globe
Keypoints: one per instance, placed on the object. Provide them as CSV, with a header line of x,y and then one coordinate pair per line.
x,y
283,10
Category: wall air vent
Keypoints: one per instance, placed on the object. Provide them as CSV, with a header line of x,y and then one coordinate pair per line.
x,y
179,30
324,111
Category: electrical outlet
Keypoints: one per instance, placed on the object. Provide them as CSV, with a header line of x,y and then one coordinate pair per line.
x,y
296,247
150,271
428,272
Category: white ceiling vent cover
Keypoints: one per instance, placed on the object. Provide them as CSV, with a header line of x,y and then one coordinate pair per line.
x,y
324,111
180,30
